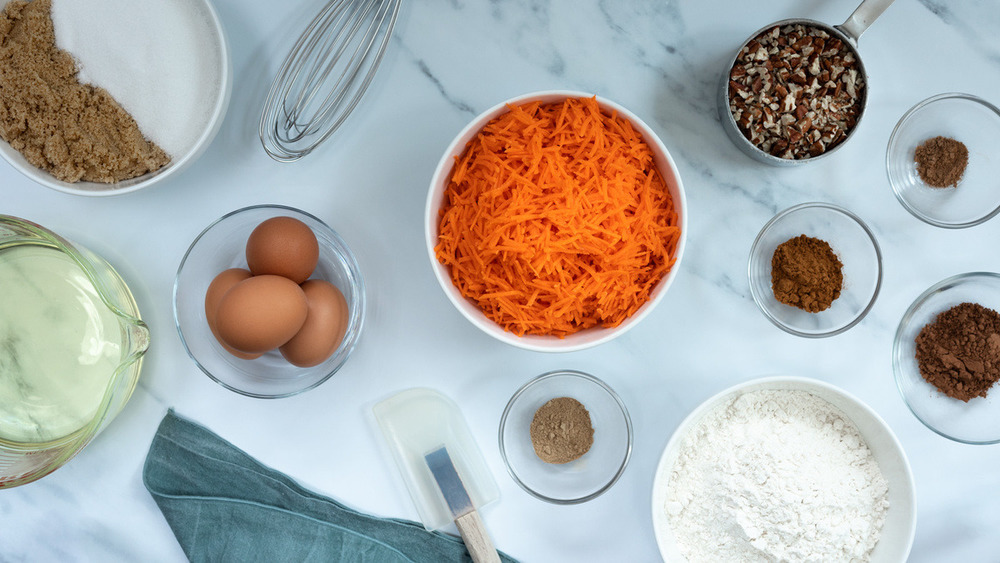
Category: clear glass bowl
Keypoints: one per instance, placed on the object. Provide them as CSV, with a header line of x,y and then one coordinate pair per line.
x,y
974,122
586,477
975,422
853,243
222,246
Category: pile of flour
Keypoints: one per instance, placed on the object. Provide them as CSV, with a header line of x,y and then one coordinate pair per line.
x,y
776,475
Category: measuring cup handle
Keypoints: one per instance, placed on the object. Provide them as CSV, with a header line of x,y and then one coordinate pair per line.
x,y
863,16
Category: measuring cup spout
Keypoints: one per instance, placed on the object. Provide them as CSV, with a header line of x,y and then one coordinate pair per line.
x,y
136,340
862,18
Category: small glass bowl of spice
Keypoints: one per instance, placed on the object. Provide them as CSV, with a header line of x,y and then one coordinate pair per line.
x,y
815,270
565,437
942,160
946,358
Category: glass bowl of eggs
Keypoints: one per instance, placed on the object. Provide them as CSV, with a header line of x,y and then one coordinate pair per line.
x,y
269,301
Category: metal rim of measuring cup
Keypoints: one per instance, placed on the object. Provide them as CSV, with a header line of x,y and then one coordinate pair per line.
x,y
729,122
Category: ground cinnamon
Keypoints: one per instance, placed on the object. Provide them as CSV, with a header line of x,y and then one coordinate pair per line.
x,y
806,273
941,161
72,130
959,353
561,431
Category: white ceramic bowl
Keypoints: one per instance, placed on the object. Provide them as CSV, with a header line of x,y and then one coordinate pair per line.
x,y
901,519
584,338
176,164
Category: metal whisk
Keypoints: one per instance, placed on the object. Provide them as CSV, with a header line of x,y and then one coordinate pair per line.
x,y
325,75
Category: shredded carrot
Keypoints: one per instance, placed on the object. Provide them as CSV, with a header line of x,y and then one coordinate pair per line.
x,y
555,219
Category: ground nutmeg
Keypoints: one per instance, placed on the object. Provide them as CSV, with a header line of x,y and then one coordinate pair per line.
x,y
959,352
806,273
561,431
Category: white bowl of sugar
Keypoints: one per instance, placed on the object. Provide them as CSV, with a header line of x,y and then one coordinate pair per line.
x,y
788,468
166,63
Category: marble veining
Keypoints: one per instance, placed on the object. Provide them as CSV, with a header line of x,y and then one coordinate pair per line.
x,y
457,104
971,20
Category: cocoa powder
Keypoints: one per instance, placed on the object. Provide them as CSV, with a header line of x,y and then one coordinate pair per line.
x,y
959,353
561,431
806,273
941,161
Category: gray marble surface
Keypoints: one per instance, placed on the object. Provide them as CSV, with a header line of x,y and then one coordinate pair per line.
x,y
449,60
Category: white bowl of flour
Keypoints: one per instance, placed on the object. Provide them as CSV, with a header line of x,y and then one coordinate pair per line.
x,y
165,62
783,469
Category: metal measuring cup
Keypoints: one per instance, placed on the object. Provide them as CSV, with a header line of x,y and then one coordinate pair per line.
x,y
849,32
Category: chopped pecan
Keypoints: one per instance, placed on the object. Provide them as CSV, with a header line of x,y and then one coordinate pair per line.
x,y
795,91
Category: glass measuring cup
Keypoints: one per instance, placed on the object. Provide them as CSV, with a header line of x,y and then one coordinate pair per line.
x,y
848,32
37,433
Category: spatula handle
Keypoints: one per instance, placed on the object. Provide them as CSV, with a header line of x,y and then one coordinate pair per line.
x,y
476,538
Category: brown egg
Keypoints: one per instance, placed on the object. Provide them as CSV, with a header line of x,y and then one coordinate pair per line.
x,y
324,328
261,313
283,246
219,286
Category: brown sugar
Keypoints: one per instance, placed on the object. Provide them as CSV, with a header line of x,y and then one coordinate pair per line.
x,y
561,431
959,353
941,161
806,273
73,131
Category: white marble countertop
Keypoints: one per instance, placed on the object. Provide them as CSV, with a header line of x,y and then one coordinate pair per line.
x,y
449,60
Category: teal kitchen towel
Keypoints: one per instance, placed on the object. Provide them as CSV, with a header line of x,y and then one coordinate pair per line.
x,y
223,505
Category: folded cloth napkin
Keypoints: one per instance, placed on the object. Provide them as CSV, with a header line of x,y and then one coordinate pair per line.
x,y
223,505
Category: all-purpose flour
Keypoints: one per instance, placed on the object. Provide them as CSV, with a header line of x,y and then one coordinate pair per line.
x,y
776,476
158,59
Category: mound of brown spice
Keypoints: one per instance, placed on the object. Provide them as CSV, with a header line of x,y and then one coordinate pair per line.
x,y
941,161
561,431
959,352
73,131
806,273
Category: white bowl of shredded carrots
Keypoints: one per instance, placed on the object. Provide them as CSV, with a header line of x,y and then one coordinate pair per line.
x,y
556,221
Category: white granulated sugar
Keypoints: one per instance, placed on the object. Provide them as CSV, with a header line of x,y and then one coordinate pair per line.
x,y
158,58
776,476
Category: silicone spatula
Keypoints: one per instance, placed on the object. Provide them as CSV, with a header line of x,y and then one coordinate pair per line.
x,y
470,525
440,463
